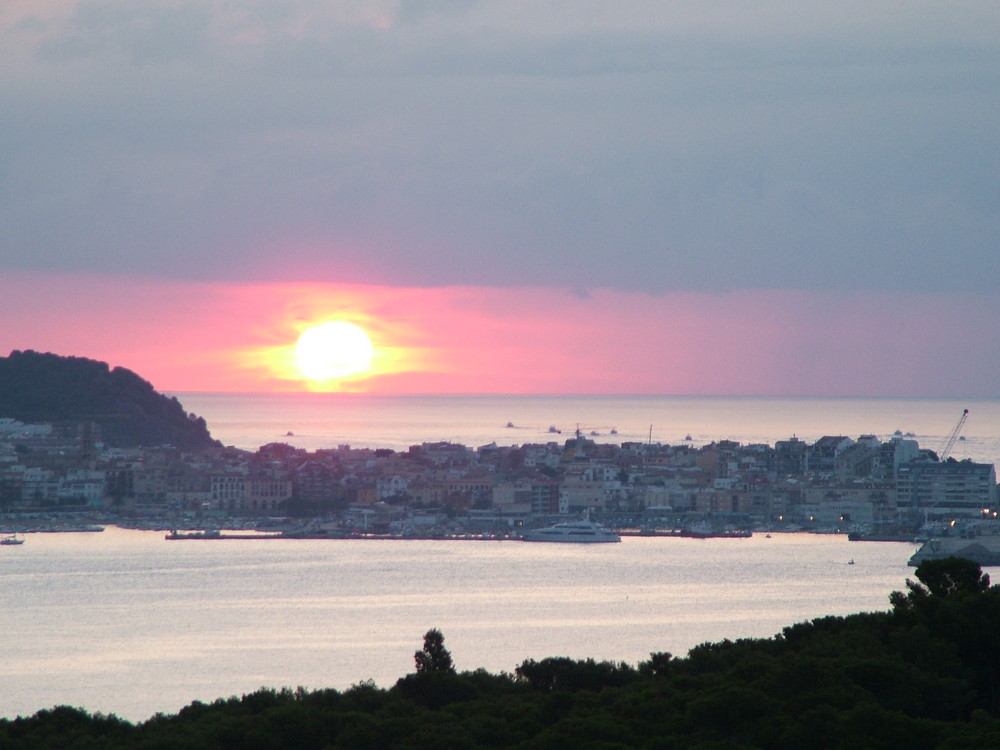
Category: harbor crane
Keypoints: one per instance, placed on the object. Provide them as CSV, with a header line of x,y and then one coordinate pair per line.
x,y
946,451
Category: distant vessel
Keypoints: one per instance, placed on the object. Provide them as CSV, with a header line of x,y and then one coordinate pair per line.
x,y
11,539
206,534
984,550
702,530
580,532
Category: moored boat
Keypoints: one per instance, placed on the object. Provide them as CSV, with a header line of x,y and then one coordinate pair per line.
x,y
984,551
702,530
580,532
206,534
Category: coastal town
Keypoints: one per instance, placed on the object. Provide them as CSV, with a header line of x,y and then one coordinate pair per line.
x,y
865,486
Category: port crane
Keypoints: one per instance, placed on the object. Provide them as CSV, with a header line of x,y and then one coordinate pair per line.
x,y
946,451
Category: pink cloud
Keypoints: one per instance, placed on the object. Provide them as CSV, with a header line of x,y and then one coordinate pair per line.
x,y
209,337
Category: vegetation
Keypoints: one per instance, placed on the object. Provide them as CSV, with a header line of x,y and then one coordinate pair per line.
x,y
434,657
925,674
37,387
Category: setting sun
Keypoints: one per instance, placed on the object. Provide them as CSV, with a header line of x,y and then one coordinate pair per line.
x,y
331,350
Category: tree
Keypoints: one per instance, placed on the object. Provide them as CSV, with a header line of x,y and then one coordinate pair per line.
x,y
434,657
952,577
944,578
566,674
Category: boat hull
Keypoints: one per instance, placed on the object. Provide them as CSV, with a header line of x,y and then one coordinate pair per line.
x,y
568,540
584,532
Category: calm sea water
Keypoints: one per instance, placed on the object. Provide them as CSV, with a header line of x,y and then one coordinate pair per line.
x,y
361,420
126,622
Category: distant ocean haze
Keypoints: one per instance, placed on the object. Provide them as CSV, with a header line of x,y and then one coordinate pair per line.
x,y
326,420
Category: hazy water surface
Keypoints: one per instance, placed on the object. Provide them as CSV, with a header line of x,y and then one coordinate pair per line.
x,y
325,420
126,622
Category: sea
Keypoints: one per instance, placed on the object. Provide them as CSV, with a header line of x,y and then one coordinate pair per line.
x,y
327,420
125,622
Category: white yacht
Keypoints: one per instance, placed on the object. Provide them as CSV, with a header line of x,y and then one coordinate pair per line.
x,y
585,531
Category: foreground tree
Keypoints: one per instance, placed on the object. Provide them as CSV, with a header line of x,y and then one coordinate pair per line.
x,y
946,578
434,657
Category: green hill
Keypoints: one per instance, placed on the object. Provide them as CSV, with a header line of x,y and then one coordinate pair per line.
x,y
36,387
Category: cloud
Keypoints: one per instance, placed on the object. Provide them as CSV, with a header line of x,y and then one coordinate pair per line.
x,y
236,337
648,146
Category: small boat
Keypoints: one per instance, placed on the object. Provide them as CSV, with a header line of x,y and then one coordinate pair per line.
x,y
579,532
11,539
702,530
206,534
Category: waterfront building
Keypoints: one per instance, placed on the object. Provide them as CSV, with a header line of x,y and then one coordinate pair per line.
x,y
390,486
268,494
511,493
584,492
83,486
838,508
317,481
790,456
427,492
719,500
39,486
229,491
821,456
944,490
545,496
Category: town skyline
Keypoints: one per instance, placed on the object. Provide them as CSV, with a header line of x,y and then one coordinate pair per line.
x,y
837,483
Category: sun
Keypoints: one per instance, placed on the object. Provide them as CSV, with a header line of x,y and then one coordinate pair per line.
x,y
332,350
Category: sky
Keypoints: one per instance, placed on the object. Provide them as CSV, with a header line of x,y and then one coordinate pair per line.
x,y
509,196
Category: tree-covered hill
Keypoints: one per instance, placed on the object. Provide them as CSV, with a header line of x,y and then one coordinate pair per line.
x,y
923,676
36,387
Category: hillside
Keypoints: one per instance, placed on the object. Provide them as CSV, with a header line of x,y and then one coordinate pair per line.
x,y
36,387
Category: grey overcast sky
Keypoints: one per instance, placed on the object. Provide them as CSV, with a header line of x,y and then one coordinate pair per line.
x,y
646,146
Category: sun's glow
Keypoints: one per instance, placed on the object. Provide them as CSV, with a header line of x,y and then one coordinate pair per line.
x,y
332,350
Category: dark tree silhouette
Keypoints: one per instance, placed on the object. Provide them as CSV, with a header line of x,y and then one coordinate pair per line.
x,y
952,576
434,657
945,578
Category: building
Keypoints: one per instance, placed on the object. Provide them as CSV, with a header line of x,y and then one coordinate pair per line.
x,y
944,490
